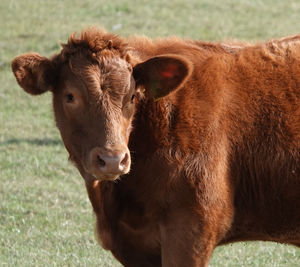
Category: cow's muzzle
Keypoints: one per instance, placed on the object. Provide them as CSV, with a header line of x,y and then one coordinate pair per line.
x,y
108,163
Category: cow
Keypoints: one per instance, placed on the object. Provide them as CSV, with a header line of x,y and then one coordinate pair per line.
x,y
183,145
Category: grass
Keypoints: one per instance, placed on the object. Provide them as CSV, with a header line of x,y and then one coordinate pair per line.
x,y
45,216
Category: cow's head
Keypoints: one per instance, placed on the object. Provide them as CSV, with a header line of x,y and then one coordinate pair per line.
x,y
95,87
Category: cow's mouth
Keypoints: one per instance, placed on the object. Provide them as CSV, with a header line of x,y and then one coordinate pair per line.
x,y
107,177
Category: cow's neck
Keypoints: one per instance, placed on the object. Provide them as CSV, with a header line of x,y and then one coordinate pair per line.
x,y
152,127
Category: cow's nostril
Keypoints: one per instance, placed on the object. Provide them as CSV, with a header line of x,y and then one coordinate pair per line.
x,y
124,160
101,161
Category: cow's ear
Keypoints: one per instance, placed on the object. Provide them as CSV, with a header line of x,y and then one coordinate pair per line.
x,y
34,73
163,74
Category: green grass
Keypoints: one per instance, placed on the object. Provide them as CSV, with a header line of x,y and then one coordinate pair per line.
x,y
45,216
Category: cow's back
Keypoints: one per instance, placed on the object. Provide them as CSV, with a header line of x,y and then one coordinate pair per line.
x,y
263,119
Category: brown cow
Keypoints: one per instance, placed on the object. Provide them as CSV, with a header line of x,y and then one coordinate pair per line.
x,y
209,132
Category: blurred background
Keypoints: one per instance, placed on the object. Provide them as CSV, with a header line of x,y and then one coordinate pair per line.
x,y
45,216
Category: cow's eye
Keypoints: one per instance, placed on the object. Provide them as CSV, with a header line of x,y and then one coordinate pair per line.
x,y
132,98
70,98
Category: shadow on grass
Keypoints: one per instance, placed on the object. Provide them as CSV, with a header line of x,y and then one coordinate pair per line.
x,y
33,141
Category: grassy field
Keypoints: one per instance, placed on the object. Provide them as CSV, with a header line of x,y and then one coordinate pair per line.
x,y
45,216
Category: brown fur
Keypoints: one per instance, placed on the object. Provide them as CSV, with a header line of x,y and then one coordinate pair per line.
x,y
213,131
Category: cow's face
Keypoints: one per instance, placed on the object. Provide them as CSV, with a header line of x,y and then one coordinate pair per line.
x,y
94,106
94,100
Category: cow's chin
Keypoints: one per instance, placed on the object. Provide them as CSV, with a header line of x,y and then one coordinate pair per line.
x,y
107,177
88,177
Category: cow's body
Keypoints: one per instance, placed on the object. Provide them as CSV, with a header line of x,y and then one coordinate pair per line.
x,y
215,161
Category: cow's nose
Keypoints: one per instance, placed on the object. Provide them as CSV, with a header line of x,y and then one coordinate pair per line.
x,y
109,164
113,163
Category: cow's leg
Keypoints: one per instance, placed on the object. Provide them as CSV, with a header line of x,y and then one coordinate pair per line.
x,y
132,256
189,239
185,243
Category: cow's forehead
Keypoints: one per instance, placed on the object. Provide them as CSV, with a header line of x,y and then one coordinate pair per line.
x,y
111,75
115,74
113,63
